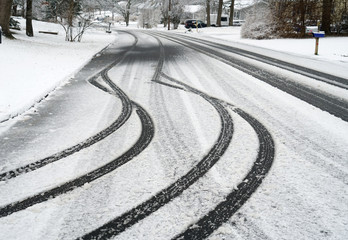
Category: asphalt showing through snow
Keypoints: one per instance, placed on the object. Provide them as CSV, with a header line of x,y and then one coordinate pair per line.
x,y
224,210
235,199
143,141
336,106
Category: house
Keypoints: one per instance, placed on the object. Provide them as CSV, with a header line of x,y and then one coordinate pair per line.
x,y
243,7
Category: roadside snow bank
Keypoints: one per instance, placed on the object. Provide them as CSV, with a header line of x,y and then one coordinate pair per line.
x,y
332,58
330,48
30,68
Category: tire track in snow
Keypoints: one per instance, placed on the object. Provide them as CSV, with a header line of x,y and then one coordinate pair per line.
x,y
330,104
124,116
225,210
320,76
258,171
143,141
143,210
136,214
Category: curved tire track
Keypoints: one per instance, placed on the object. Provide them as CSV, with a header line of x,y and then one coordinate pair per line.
x,y
136,214
330,104
246,188
143,141
214,219
320,76
143,210
225,210
124,116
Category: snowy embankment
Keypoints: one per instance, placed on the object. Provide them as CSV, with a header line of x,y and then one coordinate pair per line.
x,y
330,48
332,58
31,68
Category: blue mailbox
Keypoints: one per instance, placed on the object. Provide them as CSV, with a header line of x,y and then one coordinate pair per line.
x,y
318,34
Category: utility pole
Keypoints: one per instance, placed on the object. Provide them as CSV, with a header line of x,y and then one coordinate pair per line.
x,y
169,13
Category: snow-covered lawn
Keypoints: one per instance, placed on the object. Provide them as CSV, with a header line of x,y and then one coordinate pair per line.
x,y
30,68
330,48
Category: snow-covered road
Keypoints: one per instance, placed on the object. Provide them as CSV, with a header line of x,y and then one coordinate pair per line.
x,y
156,140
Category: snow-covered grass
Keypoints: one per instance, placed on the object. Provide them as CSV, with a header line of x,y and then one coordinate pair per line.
x,y
33,67
330,48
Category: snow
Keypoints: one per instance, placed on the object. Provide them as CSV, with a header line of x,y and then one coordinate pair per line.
x,y
330,48
33,67
303,197
192,8
42,63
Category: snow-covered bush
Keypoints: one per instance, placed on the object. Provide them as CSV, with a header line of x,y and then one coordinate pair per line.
x,y
149,18
260,24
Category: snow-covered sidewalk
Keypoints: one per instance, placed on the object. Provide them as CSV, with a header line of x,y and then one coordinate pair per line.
x,y
30,68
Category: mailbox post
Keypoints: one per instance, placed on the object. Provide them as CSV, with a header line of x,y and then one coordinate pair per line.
x,y
317,35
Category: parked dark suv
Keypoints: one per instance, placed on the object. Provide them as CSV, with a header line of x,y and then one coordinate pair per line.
x,y
193,23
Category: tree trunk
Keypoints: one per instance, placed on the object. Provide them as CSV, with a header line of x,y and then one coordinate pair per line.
x,y
326,17
169,13
5,14
218,20
23,12
302,17
14,10
208,13
127,12
231,13
69,33
29,19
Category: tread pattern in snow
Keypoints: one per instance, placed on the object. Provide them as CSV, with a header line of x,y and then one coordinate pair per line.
x,y
328,103
143,141
125,114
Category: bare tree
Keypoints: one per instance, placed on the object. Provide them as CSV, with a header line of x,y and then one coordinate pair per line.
x,y
75,16
164,12
124,10
292,16
177,10
326,17
302,8
5,14
149,17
